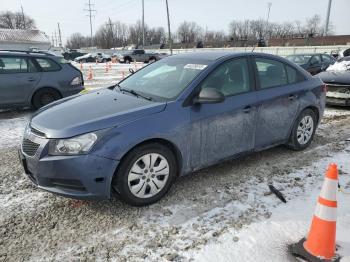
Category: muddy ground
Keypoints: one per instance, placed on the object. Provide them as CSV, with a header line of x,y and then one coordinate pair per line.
x,y
39,226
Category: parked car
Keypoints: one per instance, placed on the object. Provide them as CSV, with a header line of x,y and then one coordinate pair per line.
x,y
137,55
36,79
72,54
313,63
337,79
93,57
174,116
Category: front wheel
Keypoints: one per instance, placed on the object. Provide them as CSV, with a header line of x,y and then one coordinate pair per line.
x,y
145,175
303,130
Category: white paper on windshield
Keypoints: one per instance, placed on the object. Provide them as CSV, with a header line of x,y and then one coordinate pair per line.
x,y
195,66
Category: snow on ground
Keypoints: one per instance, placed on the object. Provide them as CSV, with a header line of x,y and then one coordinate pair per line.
x,y
339,66
12,125
268,240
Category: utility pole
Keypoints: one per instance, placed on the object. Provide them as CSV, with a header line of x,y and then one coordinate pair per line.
x,y
269,4
328,15
143,23
169,31
111,28
56,42
59,35
90,15
23,18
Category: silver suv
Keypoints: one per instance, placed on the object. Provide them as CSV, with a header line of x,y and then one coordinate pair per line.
x,y
36,79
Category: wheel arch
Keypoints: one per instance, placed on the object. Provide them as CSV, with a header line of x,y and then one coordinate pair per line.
x,y
42,88
174,149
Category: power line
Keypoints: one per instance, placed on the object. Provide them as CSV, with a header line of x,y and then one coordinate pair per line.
x,y
90,15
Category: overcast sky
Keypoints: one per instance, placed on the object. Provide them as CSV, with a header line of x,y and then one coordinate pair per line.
x,y
213,14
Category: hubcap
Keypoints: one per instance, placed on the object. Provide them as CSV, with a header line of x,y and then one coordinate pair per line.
x,y
148,175
305,130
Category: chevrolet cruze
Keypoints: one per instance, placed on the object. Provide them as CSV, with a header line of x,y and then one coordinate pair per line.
x,y
172,117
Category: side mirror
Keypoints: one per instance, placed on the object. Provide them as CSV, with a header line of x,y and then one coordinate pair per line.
x,y
209,96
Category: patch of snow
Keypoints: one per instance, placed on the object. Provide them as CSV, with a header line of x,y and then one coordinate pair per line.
x,y
11,130
339,66
268,240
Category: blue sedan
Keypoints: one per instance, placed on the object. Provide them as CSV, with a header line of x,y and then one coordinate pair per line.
x,y
172,117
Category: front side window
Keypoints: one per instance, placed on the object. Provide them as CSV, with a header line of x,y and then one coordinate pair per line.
x,y
47,65
165,79
13,65
271,73
230,78
315,60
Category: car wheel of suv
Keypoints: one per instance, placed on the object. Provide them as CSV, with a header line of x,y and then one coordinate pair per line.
x,y
45,96
127,60
303,130
145,175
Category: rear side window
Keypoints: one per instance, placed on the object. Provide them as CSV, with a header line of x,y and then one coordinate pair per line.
x,y
47,65
271,73
13,65
293,75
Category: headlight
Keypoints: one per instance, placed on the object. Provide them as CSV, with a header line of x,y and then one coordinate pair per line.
x,y
76,81
73,146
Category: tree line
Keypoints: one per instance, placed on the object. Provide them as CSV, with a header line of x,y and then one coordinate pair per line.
x,y
189,34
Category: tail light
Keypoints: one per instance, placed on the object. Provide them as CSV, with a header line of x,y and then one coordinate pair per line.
x,y
77,81
324,88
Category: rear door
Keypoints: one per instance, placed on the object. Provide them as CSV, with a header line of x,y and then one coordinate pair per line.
x,y
277,96
18,78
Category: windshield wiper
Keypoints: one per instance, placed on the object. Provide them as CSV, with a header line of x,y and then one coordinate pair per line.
x,y
133,92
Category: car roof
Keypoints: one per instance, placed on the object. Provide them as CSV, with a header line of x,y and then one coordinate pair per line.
x,y
308,54
25,53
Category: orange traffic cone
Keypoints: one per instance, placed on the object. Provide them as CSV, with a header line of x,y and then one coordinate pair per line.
x,y
106,68
320,243
81,66
90,76
110,65
123,75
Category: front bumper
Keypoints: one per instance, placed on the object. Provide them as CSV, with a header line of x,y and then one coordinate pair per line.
x,y
82,177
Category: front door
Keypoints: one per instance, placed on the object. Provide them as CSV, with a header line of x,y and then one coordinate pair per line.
x,y
224,129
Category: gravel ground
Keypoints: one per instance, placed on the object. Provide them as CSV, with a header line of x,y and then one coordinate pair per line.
x,y
39,226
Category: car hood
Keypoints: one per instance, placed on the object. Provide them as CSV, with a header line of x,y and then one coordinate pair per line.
x,y
90,112
336,77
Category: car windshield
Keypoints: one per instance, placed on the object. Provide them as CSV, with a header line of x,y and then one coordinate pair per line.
x,y
299,59
165,79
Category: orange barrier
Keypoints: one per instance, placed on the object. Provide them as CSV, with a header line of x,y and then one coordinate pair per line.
x,y
90,75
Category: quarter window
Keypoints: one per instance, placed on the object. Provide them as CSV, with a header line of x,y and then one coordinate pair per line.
x,y
293,75
47,65
230,78
13,65
271,73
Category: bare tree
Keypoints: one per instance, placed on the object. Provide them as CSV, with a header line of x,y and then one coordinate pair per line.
x,y
189,32
313,26
77,40
16,20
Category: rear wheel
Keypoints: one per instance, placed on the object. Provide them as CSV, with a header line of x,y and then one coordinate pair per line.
x,y
127,60
145,175
303,130
45,96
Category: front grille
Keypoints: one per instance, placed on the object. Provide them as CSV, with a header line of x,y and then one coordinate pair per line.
x,y
338,88
37,132
29,147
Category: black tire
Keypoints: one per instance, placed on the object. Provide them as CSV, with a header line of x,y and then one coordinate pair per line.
x,y
128,60
120,181
45,96
152,60
293,142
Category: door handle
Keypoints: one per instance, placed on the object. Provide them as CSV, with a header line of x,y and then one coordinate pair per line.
x,y
31,79
292,97
247,109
